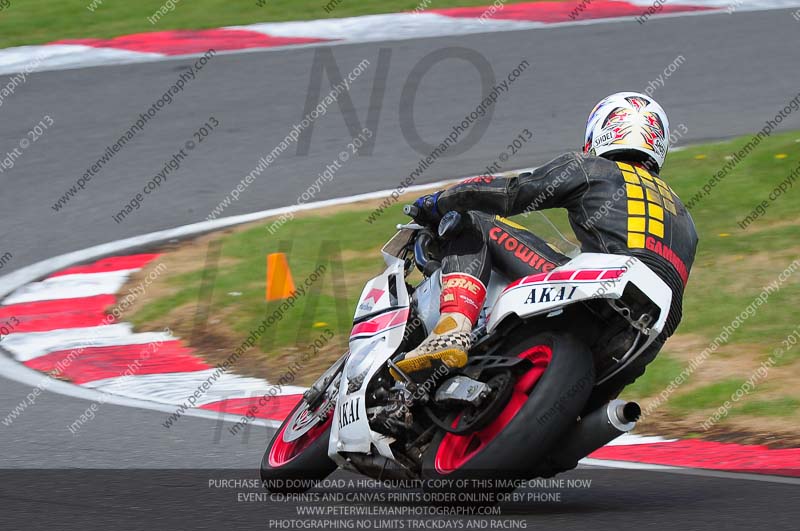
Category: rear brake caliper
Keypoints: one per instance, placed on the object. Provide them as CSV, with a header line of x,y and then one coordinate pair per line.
x,y
482,400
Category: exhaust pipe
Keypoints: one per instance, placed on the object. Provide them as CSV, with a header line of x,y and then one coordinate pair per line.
x,y
594,431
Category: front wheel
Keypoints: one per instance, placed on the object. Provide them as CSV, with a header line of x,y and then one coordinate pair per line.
x,y
544,403
297,457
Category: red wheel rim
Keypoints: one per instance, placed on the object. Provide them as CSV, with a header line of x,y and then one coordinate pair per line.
x,y
282,452
456,450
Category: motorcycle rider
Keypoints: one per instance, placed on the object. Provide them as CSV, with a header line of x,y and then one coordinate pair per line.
x,y
616,204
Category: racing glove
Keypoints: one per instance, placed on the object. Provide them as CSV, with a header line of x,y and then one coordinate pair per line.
x,y
427,211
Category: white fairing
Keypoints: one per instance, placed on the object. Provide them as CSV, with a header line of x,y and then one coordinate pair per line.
x,y
383,318
373,341
587,276
427,297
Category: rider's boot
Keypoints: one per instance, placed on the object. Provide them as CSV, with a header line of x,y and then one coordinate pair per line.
x,y
460,305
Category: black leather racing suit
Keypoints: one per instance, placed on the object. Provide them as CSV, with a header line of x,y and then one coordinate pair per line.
x,y
613,207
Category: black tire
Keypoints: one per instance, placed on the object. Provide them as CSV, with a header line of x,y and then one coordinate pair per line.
x,y
303,471
552,406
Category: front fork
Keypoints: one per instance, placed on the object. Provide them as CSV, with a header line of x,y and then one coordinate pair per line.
x,y
316,393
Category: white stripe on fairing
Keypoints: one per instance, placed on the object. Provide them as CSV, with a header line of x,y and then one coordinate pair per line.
x,y
30,345
391,26
29,59
175,388
71,287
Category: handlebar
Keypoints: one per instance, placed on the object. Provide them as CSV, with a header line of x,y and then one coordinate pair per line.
x,y
411,211
425,247
421,245
424,243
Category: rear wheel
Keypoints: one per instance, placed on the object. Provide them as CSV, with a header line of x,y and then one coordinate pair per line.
x,y
545,402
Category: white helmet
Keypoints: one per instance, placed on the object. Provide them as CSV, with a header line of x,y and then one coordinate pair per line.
x,y
628,124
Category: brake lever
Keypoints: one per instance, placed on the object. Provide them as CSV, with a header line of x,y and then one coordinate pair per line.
x,y
410,226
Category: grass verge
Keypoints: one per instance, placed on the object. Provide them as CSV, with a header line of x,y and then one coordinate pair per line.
x,y
213,294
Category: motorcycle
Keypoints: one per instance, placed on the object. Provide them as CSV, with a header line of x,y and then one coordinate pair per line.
x,y
518,409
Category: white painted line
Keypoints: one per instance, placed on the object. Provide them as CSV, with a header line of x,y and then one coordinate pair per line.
x,y
704,472
404,26
630,439
391,26
71,287
31,273
20,373
739,5
628,465
175,388
26,346
41,58
400,27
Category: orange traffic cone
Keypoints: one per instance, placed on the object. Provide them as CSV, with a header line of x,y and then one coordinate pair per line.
x,y
279,279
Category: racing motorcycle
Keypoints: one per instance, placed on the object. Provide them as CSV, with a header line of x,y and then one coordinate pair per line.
x,y
518,409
